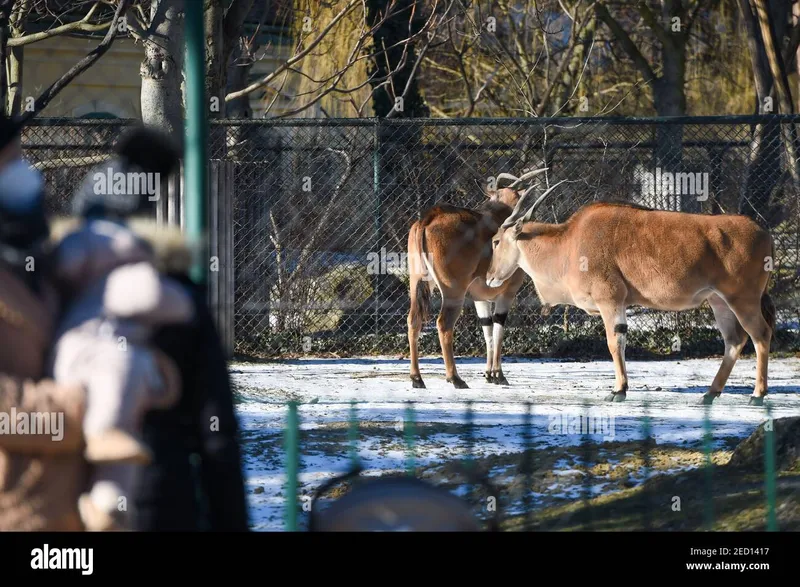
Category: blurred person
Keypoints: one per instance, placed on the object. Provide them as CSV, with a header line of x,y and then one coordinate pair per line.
x,y
194,481
42,470
117,298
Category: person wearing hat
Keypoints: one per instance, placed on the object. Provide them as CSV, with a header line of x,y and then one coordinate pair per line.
x,y
195,479
42,470
117,299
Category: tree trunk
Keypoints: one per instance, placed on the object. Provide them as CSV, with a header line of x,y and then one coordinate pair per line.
x,y
14,82
669,99
770,25
764,160
162,68
213,15
13,59
238,74
5,16
391,35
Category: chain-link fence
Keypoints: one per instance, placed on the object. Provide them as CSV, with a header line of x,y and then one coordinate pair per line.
x,y
322,208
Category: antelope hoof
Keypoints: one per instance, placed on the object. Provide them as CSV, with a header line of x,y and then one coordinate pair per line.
x,y
488,376
500,379
709,397
417,382
457,382
756,400
616,396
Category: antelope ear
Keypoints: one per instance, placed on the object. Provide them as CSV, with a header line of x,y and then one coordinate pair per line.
x,y
516,228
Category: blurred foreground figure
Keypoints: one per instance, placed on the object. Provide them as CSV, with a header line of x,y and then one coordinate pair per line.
x,y
395,504
42,470
194,481
117,299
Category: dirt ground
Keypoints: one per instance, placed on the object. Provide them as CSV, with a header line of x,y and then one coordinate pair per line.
x,y
596,487
564,482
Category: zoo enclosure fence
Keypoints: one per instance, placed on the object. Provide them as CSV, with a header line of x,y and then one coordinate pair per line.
x,y
756,458
309,218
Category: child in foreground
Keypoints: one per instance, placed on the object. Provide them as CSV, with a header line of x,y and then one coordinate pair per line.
x,y
115,299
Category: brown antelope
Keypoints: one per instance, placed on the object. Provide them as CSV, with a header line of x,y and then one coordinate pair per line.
x,y
450,247
609,256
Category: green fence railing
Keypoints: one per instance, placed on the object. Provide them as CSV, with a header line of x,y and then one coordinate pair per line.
x,y
593,515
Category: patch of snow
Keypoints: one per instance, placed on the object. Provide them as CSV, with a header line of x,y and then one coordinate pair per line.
x,y
567,404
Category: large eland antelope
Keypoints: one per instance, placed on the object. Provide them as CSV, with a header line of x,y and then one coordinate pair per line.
x,y
609,256
450,247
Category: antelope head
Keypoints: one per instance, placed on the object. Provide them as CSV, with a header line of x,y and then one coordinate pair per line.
x,y
508,188
505,252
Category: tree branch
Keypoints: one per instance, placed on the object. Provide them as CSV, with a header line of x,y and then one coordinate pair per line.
x,y
82,25
231,25
693,16
43,100
627,44
294,59
652,23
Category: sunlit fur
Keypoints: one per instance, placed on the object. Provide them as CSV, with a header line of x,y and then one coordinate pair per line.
x,y
456,243
609,256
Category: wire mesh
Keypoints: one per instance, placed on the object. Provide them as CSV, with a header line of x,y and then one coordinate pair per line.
x,y
322,210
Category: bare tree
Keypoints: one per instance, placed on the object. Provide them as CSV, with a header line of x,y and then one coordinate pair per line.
x,y
773,42
78,16
330,43
223,26
669,23
501,58
159,26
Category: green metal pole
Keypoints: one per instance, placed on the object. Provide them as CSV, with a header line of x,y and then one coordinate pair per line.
x,y
409,433
469,464
376,189
470,442
353,434
291,451
708,494
195,135
769,471
527,466
646,465
587,450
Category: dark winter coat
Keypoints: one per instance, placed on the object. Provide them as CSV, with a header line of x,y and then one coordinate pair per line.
x,y
175,495
172,493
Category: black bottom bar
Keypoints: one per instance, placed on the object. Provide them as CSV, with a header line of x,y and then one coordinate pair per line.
x,y
641,557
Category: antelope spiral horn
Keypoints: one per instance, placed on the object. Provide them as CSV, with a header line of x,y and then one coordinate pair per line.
x,y
524,203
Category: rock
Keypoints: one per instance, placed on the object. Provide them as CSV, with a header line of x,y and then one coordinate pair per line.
x,y
750,452
258,490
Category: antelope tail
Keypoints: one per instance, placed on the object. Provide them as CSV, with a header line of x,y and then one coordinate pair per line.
x,y
420,308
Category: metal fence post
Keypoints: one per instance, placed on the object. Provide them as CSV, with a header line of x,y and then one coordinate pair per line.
x,y
587,450
353,435
292,465
376,189
469,462
196,133
409,437
769,470
527,467
646,466
708,510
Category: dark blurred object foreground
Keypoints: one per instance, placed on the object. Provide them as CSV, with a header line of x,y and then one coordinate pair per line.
x,y
195,480
396,504
176,495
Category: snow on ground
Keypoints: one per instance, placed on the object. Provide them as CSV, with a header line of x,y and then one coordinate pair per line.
x,y
560,392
